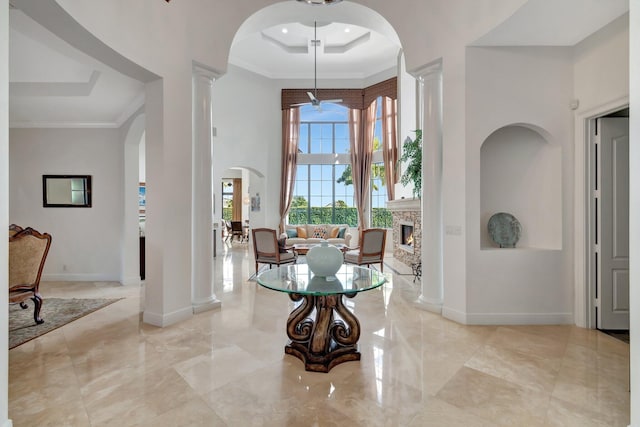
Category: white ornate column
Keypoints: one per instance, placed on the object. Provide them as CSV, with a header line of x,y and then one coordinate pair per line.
x,y
202,293
430,104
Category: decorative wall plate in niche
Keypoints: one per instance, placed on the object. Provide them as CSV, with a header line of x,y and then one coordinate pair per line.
x,y
504,229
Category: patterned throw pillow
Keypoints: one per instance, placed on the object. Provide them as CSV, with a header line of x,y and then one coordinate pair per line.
x,y
302,232
320,232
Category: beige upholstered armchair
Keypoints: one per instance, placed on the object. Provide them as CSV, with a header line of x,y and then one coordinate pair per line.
x,y
370,249
28,251
267,250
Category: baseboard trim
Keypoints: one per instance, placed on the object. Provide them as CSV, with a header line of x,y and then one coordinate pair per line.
x,y
428,305
162,320
519,318
78,278
507,318
206,306
130,281
455,315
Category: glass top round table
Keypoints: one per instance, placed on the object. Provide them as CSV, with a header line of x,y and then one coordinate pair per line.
x,y
322,331
298,279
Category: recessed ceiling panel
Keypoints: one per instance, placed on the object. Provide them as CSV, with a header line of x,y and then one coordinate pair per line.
x,y
344,51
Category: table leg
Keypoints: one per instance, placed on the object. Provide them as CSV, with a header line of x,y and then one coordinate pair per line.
x,y
325,341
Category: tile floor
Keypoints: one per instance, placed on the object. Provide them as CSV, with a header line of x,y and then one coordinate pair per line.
x,y
227,367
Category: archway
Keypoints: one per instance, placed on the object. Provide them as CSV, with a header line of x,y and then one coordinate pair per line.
x,y
246,100
133,224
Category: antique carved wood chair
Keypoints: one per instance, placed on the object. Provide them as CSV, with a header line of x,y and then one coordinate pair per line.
x,y
28,251
370,249
267,250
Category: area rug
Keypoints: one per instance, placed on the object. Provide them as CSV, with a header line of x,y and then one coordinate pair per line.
x,y
621,335
56,312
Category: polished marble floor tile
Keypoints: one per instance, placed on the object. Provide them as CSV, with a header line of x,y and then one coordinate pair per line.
x,y
227,367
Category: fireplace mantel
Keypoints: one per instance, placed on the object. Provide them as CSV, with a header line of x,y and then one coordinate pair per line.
x,y
404,205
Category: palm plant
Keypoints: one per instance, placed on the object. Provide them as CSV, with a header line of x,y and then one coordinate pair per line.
x,y
412,153
377,171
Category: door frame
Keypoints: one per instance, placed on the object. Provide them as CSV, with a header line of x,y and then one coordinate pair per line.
x,y
584,268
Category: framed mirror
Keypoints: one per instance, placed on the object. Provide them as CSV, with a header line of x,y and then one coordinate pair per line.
x,y
66,191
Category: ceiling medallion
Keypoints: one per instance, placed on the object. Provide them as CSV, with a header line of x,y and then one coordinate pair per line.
x,y
320,2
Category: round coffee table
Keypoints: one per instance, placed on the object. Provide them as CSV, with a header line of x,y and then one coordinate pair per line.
x,y
323,341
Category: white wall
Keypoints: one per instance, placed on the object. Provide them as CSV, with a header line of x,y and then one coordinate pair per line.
x,y
247,118
4,212
601,66
503,88
601,85
86,242
634,232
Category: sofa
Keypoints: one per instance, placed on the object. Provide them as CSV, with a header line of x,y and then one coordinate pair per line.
x,y
315,233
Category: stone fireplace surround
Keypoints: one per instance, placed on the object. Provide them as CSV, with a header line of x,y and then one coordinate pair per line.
x,y
406,211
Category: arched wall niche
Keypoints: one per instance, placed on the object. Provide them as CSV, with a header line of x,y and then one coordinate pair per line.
x,y
519,174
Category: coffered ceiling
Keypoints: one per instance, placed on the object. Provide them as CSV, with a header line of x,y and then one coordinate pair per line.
x,y
343,51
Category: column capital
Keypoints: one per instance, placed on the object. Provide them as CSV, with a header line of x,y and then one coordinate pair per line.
x,y
205,72
430,71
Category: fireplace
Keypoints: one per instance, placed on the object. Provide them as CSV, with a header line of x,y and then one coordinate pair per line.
x,y
407,232
406,236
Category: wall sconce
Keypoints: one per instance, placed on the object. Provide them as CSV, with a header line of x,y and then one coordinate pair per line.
x,y
246,200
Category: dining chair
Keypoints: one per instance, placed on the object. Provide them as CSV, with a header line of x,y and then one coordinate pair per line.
x,y
227,227
237,230
370,248
267,251
28,251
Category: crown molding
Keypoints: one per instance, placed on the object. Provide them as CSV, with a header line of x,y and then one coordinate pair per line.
x,y
63,125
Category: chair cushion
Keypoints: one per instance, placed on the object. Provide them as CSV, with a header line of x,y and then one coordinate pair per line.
x,y
352,257
287,256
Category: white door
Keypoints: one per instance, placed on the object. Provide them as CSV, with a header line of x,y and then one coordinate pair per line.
x,y
613,223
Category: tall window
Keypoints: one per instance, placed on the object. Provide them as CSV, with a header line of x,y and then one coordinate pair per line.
x,y
227,199
319,196
380,215
323,191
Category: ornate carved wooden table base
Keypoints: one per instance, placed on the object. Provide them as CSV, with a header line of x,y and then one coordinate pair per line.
x,y
325,341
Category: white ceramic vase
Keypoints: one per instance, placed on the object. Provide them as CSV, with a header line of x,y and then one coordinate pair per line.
x,y
324,260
